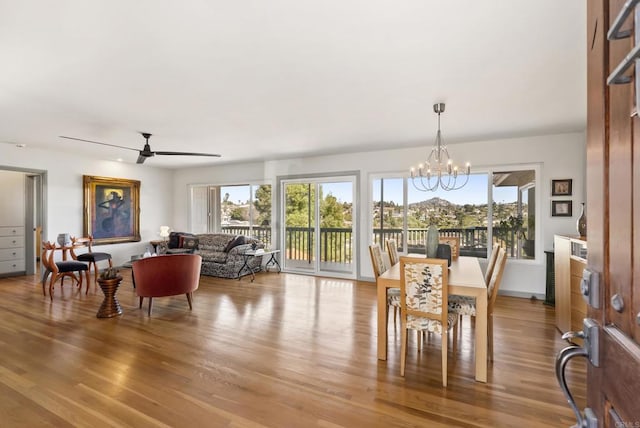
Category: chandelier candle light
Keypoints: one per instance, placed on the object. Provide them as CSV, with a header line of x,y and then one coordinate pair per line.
x,y
439,166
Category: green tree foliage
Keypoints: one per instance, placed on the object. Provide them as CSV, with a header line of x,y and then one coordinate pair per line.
x,y
299,211
238,213
262,203
332,212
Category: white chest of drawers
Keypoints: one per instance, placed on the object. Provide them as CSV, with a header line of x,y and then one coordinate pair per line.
x,y
12,250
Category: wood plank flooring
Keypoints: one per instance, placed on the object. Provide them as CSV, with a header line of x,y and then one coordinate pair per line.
x,y
283,351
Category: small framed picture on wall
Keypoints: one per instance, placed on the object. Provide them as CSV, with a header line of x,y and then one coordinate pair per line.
x,y
561,208
561,187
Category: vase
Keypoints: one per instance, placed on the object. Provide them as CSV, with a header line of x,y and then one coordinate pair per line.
x,y
582,223
433,239
64,239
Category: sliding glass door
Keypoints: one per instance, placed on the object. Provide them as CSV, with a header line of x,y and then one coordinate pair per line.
x,y
318,237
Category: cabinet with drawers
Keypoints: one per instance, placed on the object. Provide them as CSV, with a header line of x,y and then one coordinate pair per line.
x,y
570,261
12,250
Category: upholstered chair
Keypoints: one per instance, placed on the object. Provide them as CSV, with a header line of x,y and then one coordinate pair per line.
x,y
379,267
464,305
58,270
168,275
90,257
454,243
423,288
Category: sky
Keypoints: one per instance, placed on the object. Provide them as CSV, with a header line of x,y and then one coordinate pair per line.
x,y
474,192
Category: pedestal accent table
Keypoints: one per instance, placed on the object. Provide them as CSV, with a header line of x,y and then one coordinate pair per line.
x,y
110,306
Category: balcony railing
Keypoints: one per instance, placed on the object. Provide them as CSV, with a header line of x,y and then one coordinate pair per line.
x,y
336,242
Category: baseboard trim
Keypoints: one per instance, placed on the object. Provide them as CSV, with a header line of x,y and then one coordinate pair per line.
x,y
521,294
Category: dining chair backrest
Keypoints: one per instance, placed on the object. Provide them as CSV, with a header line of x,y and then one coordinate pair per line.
x,y
492,263
454,243
496,279
379,267
424,289
392,249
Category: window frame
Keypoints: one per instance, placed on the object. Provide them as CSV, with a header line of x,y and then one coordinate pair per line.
x,y
489,170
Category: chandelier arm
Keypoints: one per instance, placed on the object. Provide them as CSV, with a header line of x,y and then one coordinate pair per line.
x,y
439,166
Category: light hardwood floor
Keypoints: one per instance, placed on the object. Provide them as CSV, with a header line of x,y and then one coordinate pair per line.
x,y
283,351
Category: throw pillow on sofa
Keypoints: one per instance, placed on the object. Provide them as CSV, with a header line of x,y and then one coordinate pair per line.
x,y
190,243
238,240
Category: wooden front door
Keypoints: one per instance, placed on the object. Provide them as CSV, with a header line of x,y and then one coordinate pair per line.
x,y
613,230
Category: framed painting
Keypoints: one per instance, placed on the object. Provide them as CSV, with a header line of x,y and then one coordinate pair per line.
x,y
111,209
561,187
561,208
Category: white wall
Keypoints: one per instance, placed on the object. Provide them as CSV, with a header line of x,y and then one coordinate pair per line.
x,y
64,210
11,198
559,156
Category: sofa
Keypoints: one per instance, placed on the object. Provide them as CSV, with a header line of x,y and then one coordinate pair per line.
x,y
221,252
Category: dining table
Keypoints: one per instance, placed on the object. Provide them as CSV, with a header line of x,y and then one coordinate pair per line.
x,y
465,279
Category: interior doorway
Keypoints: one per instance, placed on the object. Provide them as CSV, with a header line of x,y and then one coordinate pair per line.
x,y
34,217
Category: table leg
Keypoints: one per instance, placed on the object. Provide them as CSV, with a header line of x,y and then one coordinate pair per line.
x,y
481,337
246,265
244,258
273,261
382,321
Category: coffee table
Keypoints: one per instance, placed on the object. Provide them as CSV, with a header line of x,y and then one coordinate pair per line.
x,y
247,255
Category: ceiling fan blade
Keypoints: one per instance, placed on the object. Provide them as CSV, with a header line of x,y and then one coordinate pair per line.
x,y
98,142
187,154
141,158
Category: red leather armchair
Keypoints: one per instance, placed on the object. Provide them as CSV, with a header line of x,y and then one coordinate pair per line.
x,y
168,275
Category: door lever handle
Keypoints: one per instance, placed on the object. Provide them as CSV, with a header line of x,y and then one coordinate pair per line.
x,y
561,363
573,335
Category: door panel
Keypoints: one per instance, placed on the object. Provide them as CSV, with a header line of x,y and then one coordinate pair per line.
x,y
299,200
318,234
613,387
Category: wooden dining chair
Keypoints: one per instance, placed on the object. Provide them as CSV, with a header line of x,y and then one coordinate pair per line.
x,y
464,305
379,267
424,287
90,257
392,249
58,270
454,243
492,263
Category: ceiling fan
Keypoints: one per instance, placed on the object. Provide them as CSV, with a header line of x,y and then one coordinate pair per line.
x,y
146,152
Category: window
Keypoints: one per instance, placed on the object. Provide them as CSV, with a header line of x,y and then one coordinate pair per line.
x,y
462,213
402,212
388,211
239,209
514,195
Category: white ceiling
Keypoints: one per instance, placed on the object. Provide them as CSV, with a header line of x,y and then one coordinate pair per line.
x,y
257,80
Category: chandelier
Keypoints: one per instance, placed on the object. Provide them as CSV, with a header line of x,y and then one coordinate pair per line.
x,y
439,170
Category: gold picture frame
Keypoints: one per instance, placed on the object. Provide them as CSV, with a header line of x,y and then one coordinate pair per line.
x,y
111,209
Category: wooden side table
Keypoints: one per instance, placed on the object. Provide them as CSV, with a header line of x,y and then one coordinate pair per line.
x,y
110,306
